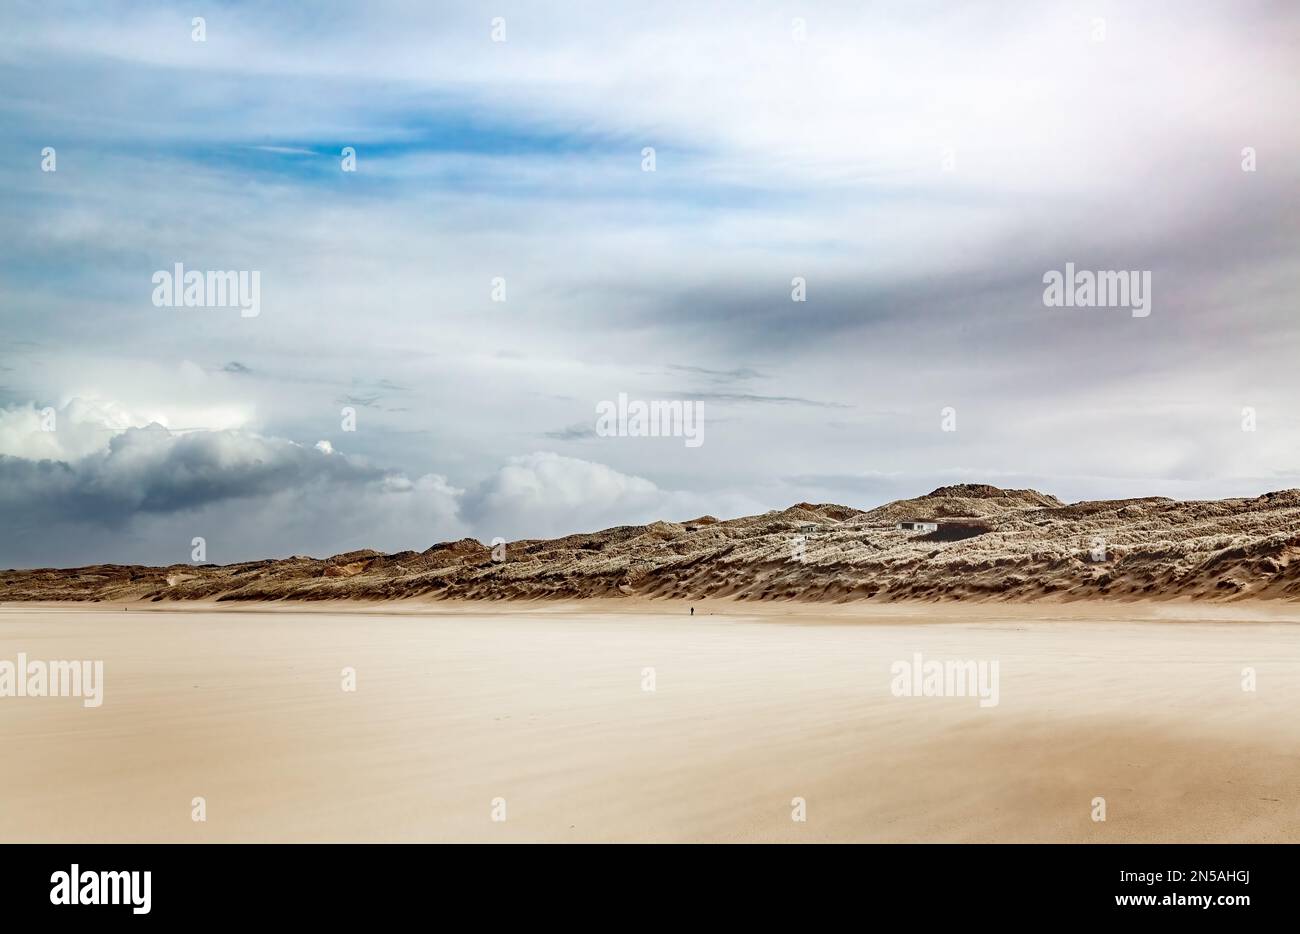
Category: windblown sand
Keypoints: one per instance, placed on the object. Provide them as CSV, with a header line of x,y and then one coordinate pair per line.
x,y
543,705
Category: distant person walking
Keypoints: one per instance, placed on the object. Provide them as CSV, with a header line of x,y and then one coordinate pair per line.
x,y
692,611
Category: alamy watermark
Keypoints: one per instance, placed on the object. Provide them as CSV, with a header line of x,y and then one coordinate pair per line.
x,y
1106,288
949,678
80,886
658,418
178,288
59,678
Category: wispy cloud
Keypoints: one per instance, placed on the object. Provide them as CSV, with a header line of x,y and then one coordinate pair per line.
x,y
919,174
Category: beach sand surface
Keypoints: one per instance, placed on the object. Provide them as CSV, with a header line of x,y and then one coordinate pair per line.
x,y
541,710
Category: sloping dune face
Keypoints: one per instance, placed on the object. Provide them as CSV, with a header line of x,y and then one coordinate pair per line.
x,y
987,544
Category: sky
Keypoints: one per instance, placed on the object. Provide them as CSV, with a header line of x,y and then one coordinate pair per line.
x,y
918,166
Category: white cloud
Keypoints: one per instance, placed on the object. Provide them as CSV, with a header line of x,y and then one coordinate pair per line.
x,y
86,425
547,495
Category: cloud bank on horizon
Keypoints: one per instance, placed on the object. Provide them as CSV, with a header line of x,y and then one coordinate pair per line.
x,y
436,328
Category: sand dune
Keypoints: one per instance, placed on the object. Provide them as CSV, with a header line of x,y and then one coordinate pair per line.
x,y
991,544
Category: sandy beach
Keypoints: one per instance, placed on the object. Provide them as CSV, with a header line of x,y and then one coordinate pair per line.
x,y
541,713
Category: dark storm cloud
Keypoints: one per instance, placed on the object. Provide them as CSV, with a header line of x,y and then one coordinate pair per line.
x,y
151,470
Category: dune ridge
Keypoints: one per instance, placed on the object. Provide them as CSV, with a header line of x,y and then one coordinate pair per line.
x,y
990,544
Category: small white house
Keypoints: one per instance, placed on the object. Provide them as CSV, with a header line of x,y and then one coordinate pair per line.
x,y
918,526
